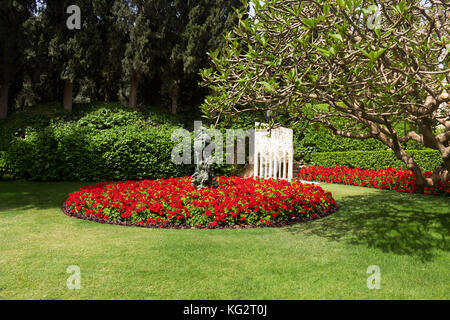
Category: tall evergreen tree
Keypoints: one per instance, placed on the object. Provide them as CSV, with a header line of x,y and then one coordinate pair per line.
x,y
191,30
13,15
132,21
158,44
108,72
74,53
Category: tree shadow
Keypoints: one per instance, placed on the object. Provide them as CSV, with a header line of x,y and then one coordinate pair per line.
x,y
20,196
404,224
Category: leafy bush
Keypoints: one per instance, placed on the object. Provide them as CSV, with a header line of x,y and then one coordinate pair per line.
x,y
75,153
101,115
310,138
388,179
428,160
175,202
99,141
37,117
319,139
2,166
106,118
105,115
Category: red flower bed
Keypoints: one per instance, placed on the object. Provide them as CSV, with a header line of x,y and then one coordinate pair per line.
x,y
389,179
175,203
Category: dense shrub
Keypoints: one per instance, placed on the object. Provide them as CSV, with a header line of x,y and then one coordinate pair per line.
x,y
175,202
105,115
318,139
310,138
75,153
389,179
101,115
99,141
428,160
37,117
107,118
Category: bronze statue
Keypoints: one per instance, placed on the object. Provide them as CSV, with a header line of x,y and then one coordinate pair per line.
x,y
204,175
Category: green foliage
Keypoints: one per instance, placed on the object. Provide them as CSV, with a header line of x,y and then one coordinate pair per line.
x,y
76,153
428,160
161,43
187,30
316,138
324,61
105,118
97,142
101,115
2,165
32,117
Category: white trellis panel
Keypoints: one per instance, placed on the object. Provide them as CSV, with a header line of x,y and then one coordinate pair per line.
x,y
274,153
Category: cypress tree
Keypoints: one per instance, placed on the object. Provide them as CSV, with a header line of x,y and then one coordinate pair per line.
x,y
13,15
133,23
74,53
191,30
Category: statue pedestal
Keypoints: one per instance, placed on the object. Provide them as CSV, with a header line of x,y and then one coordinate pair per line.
x,y
204,178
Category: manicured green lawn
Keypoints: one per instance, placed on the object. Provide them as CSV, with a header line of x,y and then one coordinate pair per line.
x,y
407,236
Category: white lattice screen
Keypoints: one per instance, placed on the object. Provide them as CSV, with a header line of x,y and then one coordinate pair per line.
x,y
274,153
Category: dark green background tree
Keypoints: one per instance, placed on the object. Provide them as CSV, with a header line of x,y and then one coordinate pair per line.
x,y
147,52
13,40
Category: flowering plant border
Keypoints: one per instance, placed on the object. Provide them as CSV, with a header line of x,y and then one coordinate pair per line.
x,y
399,180
174,203
70,213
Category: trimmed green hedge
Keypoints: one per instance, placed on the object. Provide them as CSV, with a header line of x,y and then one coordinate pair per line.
x,y
318,139
97,142
100,141
2,165
75,153
373,160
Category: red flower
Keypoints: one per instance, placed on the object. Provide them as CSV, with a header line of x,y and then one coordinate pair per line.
x,y
389,179
175,200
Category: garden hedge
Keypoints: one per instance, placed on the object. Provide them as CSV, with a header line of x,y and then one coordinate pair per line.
x,y
97,142
374,160
74,153
311,138
100,141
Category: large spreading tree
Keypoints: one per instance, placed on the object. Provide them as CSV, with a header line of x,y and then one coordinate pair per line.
x,y
362,68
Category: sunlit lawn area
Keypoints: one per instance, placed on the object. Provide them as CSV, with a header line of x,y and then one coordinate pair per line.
x,y
407,236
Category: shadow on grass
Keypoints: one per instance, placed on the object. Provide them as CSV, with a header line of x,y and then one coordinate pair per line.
x,y
404,224
415,225
18,196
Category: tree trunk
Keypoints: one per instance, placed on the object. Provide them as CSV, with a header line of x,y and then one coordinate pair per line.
x,y
175,91
4,101
68,92
107,84
438,176
133,92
